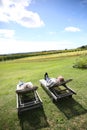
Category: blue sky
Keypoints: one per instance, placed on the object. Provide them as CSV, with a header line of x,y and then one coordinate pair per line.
x,y
40,25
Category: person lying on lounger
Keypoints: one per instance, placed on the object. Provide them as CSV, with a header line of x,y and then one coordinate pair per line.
x,y
53,81
21,85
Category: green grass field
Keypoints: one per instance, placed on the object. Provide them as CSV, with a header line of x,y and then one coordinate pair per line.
x,y
68,114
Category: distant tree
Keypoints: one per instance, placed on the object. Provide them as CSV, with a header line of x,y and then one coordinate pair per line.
x,y
83,47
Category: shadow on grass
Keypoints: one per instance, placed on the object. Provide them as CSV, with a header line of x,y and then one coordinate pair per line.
x,y
70,107
33,119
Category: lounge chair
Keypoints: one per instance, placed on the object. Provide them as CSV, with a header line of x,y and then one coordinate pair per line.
x,y
27,97
57,90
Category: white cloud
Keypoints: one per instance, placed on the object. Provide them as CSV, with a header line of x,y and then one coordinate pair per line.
x,y
5,33
16,11
72,29
84,2
52,33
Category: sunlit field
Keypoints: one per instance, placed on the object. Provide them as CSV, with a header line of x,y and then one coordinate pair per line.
x,y
52,56
67,114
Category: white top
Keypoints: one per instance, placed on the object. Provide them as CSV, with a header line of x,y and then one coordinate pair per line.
x,y
50,83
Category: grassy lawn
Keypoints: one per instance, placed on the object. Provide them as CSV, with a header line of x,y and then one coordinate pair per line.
x,y
68,114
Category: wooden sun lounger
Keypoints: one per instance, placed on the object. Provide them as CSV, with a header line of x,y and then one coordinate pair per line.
x,y
58,90
24,102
